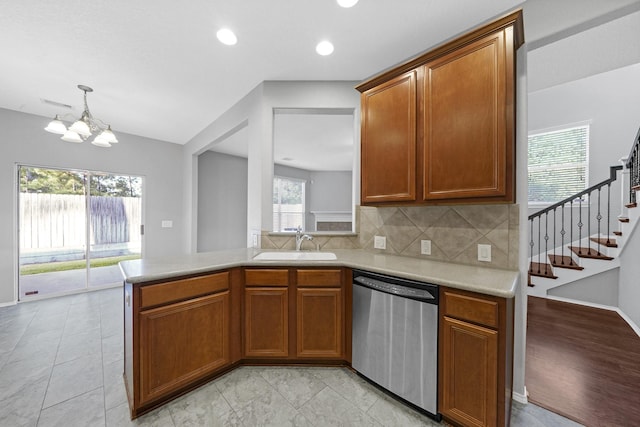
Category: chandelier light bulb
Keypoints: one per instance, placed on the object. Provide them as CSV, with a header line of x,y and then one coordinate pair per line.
x,y
101,142
56,126
71,136
108,136
81,128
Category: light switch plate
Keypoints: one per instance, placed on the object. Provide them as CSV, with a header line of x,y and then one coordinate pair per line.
x,y
425,247
484,253
380,242
166,223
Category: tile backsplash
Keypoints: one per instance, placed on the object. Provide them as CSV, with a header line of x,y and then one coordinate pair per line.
x,y
454,231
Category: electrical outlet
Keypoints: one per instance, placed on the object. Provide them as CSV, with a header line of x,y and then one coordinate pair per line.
x,y
484,253
167,223
425,247
255,240
380,242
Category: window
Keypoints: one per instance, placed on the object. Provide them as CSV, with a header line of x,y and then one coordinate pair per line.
x,y
288,203
557,164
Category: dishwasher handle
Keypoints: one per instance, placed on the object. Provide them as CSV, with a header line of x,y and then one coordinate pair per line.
x,y
394,289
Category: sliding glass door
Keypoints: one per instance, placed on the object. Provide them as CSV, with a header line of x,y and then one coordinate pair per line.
x,y
74,227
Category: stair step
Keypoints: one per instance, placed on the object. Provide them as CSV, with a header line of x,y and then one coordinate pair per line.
x,y
541,270
529,283
583,252
564,261
604,241
623,219
631,205
618,233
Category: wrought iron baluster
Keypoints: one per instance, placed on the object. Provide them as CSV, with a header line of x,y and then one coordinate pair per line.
x,y
562,233
554,236
580,224
571,223
599,218
531,244
609,214
539,246
589,223
546,240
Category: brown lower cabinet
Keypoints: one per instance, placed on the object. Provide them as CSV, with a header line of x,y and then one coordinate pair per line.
x,y
266,327
183,332
178,334
475,358
182,342
294,314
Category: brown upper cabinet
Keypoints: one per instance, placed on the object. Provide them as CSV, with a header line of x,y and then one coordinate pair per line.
x,y
440,129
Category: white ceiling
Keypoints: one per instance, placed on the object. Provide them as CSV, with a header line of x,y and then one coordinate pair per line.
x,y
158,70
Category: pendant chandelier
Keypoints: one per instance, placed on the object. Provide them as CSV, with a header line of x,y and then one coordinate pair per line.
x,y
84,127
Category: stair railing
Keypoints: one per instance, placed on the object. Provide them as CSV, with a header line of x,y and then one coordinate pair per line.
x,y
543,268
633,164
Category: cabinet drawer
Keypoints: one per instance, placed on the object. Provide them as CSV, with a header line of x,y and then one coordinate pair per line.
x,y
178,290
319,278
472,309
266,277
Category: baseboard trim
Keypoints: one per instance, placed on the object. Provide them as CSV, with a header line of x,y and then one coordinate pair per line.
x,y
8,304
626,318
585,303
520,398
630,322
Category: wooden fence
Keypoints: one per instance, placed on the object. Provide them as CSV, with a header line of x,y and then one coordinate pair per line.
x,y
50,221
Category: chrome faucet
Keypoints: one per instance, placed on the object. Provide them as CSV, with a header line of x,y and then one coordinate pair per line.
x,y
301,237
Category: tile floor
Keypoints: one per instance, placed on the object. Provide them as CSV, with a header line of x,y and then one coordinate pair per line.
x,y
61,365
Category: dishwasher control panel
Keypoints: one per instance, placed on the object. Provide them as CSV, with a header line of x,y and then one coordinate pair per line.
x,y
420,291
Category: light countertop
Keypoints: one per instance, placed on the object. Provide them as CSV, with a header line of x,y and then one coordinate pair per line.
x,y
490,281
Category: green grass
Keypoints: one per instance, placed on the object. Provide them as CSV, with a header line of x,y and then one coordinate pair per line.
x,y
50,267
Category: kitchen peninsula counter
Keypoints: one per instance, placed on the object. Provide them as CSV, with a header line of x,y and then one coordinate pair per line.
x,y
484,280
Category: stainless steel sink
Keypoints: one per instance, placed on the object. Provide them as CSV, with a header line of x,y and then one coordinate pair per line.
x,y
295,256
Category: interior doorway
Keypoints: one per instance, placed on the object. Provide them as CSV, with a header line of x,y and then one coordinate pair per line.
x,y
74,227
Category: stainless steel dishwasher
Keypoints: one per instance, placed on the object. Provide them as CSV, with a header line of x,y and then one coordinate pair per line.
x,y
395,336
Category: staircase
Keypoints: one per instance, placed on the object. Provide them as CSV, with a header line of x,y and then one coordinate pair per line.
x,y
577,237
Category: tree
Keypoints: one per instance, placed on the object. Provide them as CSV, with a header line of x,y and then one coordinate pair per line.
x,y
54,181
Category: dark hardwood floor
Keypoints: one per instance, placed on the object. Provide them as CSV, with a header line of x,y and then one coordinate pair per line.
x,y
583,363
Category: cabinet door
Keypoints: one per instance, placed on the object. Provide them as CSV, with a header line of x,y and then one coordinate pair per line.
x,y
388,137
319,322
266,322
182,342
469,373
468,122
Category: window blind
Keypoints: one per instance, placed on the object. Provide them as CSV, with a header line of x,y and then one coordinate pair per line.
x,y
557,164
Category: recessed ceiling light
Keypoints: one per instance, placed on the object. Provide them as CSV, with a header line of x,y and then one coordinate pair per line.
x,y
347,3
227,37
324,48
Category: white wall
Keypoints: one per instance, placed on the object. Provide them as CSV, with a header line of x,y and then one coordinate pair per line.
x,y
331,191
520,309
23,141
599,289
628,288
222,201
